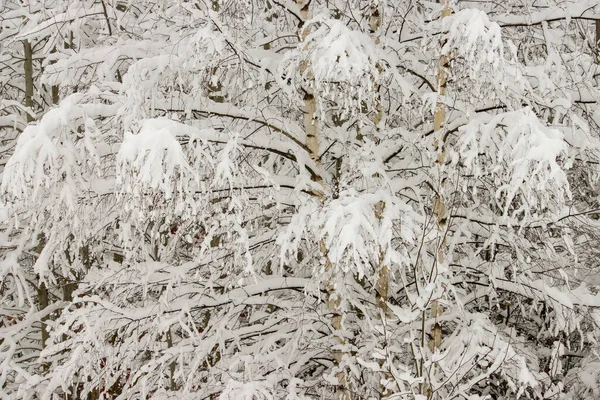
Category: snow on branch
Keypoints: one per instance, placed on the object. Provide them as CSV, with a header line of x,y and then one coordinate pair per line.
x,y
51,152
578,9
473,36
533,153
153,156
335,62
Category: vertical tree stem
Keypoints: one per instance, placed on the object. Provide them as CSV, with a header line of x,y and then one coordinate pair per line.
x,y
598,41
311,128
439,207
28,69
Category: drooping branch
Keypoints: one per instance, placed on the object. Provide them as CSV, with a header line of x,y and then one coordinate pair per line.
x,y
586,10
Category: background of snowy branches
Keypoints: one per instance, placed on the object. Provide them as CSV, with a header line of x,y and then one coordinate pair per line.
x,y
269,199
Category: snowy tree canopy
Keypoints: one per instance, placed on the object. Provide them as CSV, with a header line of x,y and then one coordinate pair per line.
x,y
300,200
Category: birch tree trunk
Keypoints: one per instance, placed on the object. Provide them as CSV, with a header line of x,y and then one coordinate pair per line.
x,y
376,116
439,203
383,273
311,127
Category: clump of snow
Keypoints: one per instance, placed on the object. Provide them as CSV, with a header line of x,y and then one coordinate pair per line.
x,y
473,36
151,157
336,63
530,149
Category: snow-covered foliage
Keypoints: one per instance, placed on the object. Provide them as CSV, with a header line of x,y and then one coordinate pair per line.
x,y
252,200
